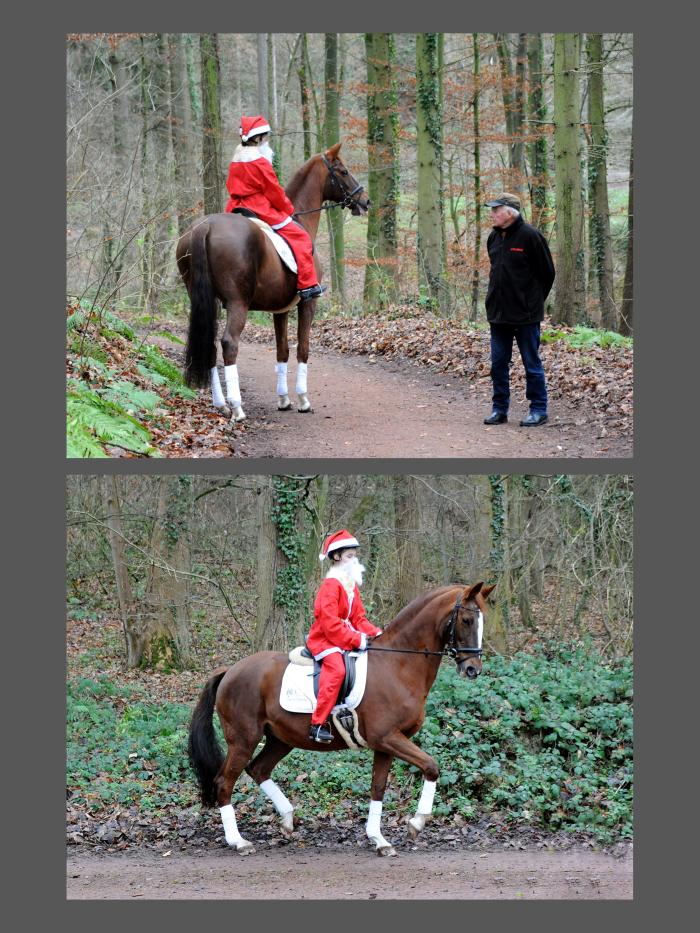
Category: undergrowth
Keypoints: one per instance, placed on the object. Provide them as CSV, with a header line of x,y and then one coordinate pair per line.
x,y
115,383
543,739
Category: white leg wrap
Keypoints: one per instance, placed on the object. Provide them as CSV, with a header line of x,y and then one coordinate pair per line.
x,y
272,790
374,833
228,818
302,370
217,395
281,370
425,807
425,804
233,391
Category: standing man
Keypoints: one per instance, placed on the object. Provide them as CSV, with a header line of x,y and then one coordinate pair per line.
x,y
522,273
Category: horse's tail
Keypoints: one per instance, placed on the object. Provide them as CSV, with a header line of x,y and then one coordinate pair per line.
x,y
200,352
203,749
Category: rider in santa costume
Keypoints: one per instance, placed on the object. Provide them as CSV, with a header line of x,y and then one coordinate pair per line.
x,y
252,183
340,624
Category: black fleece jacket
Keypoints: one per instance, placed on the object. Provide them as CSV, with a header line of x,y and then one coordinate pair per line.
x,y
522,273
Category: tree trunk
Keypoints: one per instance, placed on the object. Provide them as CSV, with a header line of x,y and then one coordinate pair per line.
x,y
477,174
180,131
407,528
570,300
499,614
270,621
133,636
168,635
431,258
263,100
539,175
517,146
627,310
600,240
212,175
332,136
304,95
380,286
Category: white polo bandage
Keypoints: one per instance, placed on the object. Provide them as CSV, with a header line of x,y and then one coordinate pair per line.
x,y
302,369
228,818
425,804
217,396
272,790
281,370
233,389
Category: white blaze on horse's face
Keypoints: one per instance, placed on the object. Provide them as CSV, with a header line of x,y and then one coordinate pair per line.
x,y
480,629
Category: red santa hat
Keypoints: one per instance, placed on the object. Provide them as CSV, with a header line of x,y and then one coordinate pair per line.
x,y
338,539
253,126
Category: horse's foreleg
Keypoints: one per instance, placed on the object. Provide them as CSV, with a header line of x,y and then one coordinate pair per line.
x,y
404,749
235,321
305,315
280,322
380,773
260,770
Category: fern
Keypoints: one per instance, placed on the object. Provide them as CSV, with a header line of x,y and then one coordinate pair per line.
x,y
90,415
130,396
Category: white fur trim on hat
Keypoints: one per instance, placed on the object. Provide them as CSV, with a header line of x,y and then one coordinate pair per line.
x,y
256,131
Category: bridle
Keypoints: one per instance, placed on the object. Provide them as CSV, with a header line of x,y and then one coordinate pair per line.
x,y
349,197
453,650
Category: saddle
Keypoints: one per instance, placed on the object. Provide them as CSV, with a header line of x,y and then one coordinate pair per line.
x,y
246,212
304,656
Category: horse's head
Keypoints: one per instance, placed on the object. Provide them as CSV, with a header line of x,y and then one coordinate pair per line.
x,y
465,629
341,186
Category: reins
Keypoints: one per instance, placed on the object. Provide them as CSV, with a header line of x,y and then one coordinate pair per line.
x,y
452,651
348,196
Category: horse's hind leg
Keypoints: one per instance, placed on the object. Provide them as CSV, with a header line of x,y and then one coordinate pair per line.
x,y
261,768
280,322
380,773
305,315
240,748
236,315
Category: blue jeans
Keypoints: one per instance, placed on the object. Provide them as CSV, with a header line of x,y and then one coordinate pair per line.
x,y
527,337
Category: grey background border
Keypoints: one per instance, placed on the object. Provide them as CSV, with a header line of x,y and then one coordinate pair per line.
x,y
34,448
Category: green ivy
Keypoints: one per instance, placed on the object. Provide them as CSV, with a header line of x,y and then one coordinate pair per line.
x,y
290,586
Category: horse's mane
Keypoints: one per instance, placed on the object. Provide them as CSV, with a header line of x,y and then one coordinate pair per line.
x,y
413,608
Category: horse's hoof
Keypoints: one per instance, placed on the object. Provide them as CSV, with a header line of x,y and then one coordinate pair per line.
x,y
287,825
287,407
247,848
387,851
306,411
415,825
238,415
412,831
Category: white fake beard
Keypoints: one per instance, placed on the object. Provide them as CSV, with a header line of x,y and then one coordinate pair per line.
x,y
355,570
266,151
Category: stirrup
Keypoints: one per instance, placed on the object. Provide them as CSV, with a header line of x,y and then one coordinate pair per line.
x,y
319,732
313,291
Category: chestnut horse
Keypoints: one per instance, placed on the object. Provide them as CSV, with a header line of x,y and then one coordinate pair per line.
x,y
228,258
402,664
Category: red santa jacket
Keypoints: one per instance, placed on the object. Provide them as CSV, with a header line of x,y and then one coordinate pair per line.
x,y
338,621
252,183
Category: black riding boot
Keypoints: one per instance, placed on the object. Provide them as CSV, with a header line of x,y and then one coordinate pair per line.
x,y
321,733
314,291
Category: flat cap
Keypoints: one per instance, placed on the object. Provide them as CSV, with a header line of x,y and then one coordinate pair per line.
x,y
505,200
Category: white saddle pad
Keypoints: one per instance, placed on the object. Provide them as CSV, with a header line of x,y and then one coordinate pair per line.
x,y
283,248
297,691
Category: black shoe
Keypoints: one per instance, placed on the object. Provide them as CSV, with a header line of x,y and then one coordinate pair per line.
x,y
314,291
320,733
496,417
533,419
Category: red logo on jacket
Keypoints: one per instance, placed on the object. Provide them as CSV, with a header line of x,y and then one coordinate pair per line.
x,y
517,249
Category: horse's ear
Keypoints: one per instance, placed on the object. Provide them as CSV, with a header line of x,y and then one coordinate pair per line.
x,y
471,591
486,590
332,153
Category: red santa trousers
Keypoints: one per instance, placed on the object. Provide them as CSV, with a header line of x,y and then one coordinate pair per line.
x,y
330,681
301,245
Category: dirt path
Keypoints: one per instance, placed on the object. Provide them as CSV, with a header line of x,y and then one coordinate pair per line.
x,y
383,409
319,873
